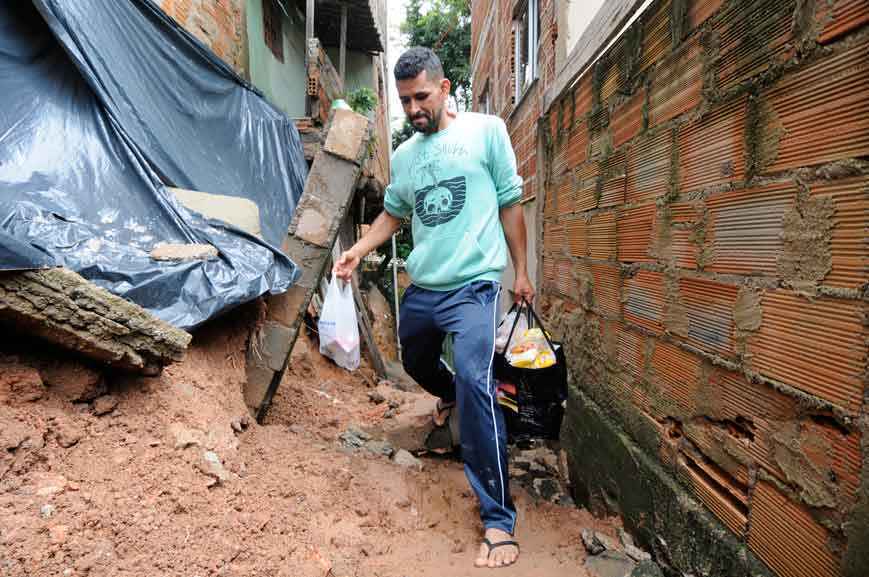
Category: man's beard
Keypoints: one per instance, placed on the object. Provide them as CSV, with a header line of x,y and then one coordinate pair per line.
x,y
434,121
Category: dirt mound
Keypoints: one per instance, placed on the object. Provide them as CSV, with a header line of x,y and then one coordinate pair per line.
x,y
116,475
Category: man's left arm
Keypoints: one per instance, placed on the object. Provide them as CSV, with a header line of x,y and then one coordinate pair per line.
x,y
513,222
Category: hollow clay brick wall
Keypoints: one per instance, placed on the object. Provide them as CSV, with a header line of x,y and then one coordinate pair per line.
x,y
705,257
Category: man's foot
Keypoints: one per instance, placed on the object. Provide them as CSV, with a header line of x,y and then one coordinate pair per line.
x,y
442,412
498,549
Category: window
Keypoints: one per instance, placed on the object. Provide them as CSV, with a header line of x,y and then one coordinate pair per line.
x,y
526,29
485,103
273,28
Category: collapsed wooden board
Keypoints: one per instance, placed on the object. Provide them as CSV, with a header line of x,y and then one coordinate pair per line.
x,y
64,308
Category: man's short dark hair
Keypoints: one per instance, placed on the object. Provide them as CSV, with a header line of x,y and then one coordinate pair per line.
x,y
415,60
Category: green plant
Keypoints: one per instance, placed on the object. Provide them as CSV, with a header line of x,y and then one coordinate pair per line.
x,y
362,100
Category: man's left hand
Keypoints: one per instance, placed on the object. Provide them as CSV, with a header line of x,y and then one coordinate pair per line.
x,y
522,288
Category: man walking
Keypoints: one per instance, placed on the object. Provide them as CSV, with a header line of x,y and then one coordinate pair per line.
x,y
457,178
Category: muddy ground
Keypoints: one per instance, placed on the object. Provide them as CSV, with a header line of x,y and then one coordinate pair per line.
x,y
128,476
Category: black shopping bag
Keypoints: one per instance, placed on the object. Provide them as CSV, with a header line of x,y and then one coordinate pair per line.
x,y
532,400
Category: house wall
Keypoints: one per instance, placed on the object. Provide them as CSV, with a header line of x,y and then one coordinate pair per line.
x,y
220,25
283,83
704,195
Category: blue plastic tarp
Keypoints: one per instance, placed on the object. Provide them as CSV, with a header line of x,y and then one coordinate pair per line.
x,y
104,103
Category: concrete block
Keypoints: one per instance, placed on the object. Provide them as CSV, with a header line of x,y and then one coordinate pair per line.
x,y
239,212
183,252
314,220
346,135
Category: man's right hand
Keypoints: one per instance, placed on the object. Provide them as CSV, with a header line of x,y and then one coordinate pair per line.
x,y
347,263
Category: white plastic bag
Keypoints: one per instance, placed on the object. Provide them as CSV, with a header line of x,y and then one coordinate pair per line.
x,y
339,333
506,324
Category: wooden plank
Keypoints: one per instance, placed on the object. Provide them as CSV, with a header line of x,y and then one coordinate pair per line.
x,y
367,332
606,25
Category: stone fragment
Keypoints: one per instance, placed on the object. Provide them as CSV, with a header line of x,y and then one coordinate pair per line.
x,y
596,543
67,432
183,252
625,537
610,564
380,448
105,405
647,569
212,466
47,510
185,437
636,553
354,438
592,545
403,458
20,384
73,380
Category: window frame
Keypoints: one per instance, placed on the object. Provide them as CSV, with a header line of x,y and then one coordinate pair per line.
x,y
529,47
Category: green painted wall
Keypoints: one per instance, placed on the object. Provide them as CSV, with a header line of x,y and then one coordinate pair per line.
x,y
283,83
360,68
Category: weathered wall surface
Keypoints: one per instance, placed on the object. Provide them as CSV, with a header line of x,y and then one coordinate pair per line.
x,y
704,256
219,24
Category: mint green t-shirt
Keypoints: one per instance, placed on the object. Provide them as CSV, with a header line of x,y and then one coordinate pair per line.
x,y
454,182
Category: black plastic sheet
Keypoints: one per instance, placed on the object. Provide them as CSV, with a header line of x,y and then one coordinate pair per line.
x,y
104,103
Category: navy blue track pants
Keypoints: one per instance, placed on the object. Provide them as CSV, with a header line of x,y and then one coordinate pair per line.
x,y
470,314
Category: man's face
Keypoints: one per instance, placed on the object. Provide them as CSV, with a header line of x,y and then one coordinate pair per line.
x,y
424,101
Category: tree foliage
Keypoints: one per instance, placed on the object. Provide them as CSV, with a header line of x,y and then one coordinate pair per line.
x,y
445,27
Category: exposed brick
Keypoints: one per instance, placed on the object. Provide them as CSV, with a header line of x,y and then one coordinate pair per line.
x,y
754,408
677,375
583,97
586,182
744,228
819,114
602,242
576,230
635,233
607,288
644,300
816,346
577,145
648,174
677,83
786,537
849,245
717,491
752,37
712,149
554,238
839,17
627,120
613,179
709,307
700,10
657,38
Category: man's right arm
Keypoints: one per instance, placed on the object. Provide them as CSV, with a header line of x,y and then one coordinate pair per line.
x,y
383,227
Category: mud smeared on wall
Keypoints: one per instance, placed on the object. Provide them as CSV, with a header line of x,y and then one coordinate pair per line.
x,y
807,228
